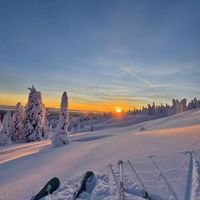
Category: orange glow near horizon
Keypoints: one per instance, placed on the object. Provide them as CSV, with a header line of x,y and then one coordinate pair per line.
x,y
119,113
108,106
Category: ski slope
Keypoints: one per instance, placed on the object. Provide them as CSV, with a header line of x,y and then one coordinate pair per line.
x,y
161,155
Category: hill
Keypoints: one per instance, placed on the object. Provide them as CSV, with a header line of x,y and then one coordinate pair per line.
x,y
25,168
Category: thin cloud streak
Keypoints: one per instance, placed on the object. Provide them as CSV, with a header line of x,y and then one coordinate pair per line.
x,y
147,83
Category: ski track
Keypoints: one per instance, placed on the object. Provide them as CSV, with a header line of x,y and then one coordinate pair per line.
x,y
192,191
14,148
196,180
136,174
170,188
131,189
114,178
188,191
127,193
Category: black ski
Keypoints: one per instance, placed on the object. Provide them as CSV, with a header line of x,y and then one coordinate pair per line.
x,y
49,188
87,184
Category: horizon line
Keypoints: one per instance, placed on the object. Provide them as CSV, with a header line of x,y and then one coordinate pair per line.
x,y
12,107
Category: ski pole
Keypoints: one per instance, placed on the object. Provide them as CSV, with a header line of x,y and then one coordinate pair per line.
x,y
136,174
122,196
164,178
139,180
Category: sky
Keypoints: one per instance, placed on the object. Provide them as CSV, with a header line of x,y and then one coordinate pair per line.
x,y
104,53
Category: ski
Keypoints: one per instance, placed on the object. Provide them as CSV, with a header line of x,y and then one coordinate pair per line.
x,y
121,182
88,183
146,195
49,188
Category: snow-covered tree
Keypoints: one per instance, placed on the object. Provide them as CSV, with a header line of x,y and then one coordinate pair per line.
x,y
194,104
150,110
1,126
6,132
18,125
61,134
35,117
81,122
179,106
91,125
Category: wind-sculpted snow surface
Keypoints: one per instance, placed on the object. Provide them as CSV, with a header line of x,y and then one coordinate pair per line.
x,y
23,174
192,191
161,182
102,190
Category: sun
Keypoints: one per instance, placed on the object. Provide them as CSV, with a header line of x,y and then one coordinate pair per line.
x,y
118,110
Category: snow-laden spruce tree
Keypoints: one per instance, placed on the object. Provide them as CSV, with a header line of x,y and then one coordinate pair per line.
x,y
60,136
1,126
6,132
18,125
91,125
35,117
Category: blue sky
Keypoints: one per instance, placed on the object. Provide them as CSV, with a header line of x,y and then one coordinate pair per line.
x,y
130,51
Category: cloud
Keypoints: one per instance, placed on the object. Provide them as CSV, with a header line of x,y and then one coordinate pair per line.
x,y
142,80
130,72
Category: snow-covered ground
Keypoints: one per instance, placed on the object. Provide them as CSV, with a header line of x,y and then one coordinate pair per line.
x,y
158,153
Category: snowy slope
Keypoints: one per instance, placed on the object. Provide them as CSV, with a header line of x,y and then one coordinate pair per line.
x,y
25,168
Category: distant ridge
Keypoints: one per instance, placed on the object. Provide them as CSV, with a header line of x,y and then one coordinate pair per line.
x,y
6,107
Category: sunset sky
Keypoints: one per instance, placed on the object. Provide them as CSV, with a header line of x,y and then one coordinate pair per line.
x,y
104,53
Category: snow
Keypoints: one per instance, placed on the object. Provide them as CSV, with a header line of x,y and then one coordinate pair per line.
x,y
35,117
25,168
6,131
17,118
196,180
61,135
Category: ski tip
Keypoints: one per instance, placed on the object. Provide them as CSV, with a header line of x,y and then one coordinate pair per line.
x,y
87,184
51,186
147,196
110,165
56,180
152,156
89,173
32,198
120,162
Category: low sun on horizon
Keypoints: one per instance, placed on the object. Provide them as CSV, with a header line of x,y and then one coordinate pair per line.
x,y
118,109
